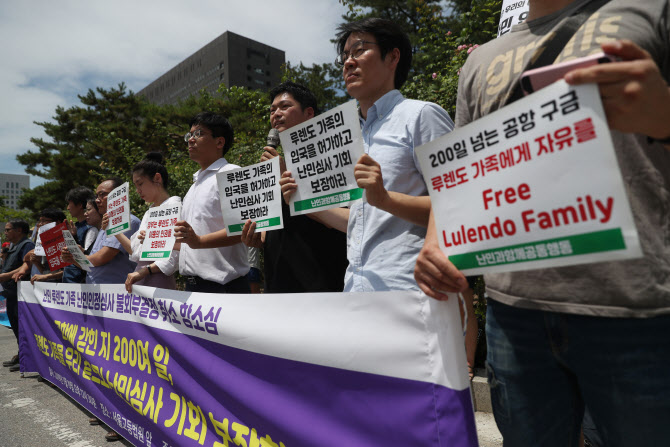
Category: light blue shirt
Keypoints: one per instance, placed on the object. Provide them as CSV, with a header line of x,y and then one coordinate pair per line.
x,y
115,271
381,248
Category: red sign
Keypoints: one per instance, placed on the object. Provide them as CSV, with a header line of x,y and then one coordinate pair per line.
x,y
53,243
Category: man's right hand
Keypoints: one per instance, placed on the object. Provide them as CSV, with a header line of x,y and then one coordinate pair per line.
x,y
434,273
269,153
249,235
288,186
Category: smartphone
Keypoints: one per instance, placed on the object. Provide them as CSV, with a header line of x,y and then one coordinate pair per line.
x,y
537,78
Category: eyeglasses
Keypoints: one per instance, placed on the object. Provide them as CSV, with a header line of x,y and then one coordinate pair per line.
x,y
197,134
7,230
101,195
355,52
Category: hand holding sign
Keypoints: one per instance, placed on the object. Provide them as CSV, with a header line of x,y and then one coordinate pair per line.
x,y
635,96
368,174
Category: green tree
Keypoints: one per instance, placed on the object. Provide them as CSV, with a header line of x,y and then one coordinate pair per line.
x,y
324,80
74,149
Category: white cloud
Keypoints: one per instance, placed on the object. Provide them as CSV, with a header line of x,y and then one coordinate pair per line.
x,y
61,49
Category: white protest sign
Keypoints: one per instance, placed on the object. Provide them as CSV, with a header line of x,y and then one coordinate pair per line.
x,y
159,237
73,248
39,248
513,12
252,192
118,210
321,154
535,184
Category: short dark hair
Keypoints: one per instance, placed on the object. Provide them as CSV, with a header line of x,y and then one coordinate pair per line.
x,y
20,224
116,182
218,125
79,195
53,214
299,92
93,205
152,165
389,35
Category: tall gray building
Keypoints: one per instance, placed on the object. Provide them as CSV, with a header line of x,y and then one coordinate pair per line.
x,y
11,188
230,59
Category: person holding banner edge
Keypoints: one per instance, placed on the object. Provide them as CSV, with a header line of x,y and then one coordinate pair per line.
x,y
594,335
16,232
151,180
210,260
385,232
292,265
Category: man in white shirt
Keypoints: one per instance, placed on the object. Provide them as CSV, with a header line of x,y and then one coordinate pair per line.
x,y
210,260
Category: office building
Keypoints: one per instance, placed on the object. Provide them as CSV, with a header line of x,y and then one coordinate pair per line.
x,y
11,188
230,59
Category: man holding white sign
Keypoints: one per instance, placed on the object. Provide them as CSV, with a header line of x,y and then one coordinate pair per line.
x,y
210,259
386,230
593,335
292,264
110,260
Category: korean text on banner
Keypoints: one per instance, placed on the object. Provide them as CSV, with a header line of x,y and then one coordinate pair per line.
x,y
513,12
252,192
118,210
72,246
321,154
39,249
53,243
191,369
535,184
159,238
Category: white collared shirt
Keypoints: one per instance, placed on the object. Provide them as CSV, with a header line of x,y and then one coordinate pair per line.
x,y
202,210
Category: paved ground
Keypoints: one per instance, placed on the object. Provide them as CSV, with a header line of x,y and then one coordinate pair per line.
x,y
33,413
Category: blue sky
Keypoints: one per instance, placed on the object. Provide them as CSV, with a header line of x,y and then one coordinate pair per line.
x,y
54,51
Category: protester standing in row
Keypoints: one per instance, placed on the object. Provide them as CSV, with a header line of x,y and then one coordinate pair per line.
x,y
596,334
151,181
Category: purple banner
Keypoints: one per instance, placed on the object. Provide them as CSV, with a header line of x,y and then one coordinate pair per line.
x,y
159,387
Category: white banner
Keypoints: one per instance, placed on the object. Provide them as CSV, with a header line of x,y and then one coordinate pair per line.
x,y
252,192
118,210
321,154
535,184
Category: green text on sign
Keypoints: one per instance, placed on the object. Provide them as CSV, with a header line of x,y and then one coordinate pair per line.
x,y
118,229
338,197
580,244
266,223
155,254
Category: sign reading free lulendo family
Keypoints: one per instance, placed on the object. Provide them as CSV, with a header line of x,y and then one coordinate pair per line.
x,y
535,184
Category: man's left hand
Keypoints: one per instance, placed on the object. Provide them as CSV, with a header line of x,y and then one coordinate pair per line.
x,y
368,174
635,96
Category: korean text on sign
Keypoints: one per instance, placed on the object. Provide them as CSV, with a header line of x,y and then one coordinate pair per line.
x,y
516,190
321,154
118,210
251,193
159,238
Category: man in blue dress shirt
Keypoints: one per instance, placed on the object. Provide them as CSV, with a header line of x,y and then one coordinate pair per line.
x,y
385,231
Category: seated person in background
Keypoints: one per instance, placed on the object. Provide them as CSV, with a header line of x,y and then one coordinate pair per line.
x,y
209,259
151,180
304,256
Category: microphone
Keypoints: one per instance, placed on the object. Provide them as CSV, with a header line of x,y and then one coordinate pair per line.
x,y
273,138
